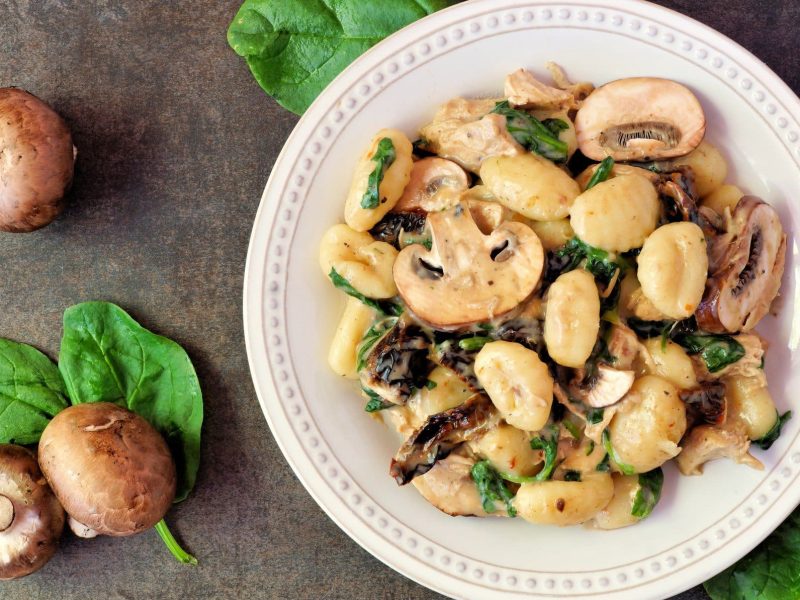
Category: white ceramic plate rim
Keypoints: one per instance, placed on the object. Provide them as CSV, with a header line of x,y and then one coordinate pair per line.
x,y
309,455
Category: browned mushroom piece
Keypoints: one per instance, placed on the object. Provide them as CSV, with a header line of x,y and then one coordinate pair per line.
x,y
31,519
435,184
467,276
640,119
707,442
608,386
36,161
746,266
126,479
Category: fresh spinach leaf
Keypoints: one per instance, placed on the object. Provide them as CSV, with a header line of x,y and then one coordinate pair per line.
x,y
531,133
31,393
106,356
549,444
386,307
383,159
649,493
294,48
601,173
717,351
775,431
770,572
594,415
491,487
624,468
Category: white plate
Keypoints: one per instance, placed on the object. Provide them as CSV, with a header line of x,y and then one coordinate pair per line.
x,y
702,524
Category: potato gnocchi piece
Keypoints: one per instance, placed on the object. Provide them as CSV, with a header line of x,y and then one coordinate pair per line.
x,y
725,196
355,321
709,166
363,262
530,185
564,502
552,234
617,513
673,266
647,435
509,450
445,392
633,302
518,383
572,318
395,178
670,362
616,215
750,403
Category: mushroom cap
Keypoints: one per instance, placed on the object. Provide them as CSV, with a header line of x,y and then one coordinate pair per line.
x,y
641,119
468,276
435,184
111,470
31,519
37,160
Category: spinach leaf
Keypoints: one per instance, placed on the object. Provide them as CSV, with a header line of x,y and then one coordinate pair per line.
x,y
601,173
383,158
649,493
572,428
624,468
294,48
770,572
491,487
375,402
549,444
531,133
598,262
371,337
775,431
31,393
717,351
106,356
555,126
594,415
386,307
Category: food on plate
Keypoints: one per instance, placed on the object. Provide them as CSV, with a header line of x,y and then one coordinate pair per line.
x,y
31,519
39,161
546,332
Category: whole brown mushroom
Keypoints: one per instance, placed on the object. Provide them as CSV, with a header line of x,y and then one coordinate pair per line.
x,y
111,470
37,161
31,519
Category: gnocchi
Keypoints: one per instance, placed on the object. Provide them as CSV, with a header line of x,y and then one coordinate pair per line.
x,y
673,265
553,234
355,321
572,318
618,512
750,403
616,215
725,197
509,450
669,361
363,262
709,166
518,383
564,502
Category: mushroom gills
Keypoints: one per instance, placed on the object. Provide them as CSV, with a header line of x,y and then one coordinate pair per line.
x,y
652,135
392,227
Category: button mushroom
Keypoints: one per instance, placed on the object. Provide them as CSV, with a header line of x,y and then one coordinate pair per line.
x,y
468,277
31,519
608,386
111,470
640,119
746,270
36,161
435,184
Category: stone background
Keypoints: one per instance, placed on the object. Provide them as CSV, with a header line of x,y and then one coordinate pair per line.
x,y
176,143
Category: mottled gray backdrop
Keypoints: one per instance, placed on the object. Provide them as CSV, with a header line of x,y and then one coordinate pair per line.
x,y
176,142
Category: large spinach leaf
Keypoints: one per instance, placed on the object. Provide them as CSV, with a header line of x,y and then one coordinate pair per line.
x,y
294,48
31,393
770,572
491,487
106,356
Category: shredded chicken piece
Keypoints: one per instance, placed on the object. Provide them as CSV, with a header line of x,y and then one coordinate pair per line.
x,y
450,488
578,90
707,442
524,90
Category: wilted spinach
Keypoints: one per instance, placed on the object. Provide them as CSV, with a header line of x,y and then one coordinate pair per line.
x,y
371,337
549,445
624,468
649,493
491,487
765,442
717,351
375,402
386,307
31,393
383,158
601,173
531,133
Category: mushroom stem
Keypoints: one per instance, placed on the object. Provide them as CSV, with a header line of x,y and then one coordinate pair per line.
x,y
6,512
174,547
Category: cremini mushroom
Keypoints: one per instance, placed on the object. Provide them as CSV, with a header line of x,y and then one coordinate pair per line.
x,y
746,267
109,468
37,160
435,184
707,442
31,519
468,276
640,119
608,386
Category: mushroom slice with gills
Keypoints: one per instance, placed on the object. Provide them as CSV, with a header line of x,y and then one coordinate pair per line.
x,y
748,273
525,91
31,518
396,227
441,434
435,184
449,487
608,386
707,442
468,277
640,119
398,363
706,403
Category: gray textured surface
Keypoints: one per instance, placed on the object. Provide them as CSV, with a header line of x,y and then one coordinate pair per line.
x,y
176,142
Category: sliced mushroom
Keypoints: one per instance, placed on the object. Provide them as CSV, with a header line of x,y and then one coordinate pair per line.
x,y
523,90
623,346
450,488
706,402
707,442
31,519
640,119
468,277
747,273
394,225
435,184
440,434
608,386
398,363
